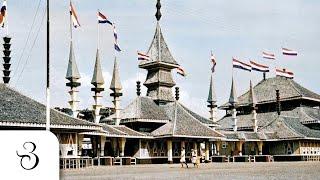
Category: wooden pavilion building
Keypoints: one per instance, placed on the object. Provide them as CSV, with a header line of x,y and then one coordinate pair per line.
x,y
277,116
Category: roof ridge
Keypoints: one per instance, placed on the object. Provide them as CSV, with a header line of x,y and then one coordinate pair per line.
x,y
288,125
202,124
51,109
305,113
112,127
131,129
294,87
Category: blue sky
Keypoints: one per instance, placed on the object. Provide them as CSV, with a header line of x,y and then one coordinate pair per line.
x,y
230,28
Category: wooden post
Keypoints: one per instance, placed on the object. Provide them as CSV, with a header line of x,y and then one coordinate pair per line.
x,y
114,146
218,143
80,139
102,145
260,144
207,150
122,143
169,151
239,147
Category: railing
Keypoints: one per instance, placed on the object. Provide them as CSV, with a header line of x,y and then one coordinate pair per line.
x,y
84,162
75,162
265,158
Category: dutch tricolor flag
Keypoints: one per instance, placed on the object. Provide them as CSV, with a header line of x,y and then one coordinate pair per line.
x,y
143,56
259,67
289,52
74,16
115,34
3,13
102,19
240,65
181,71
284,73
214,62
268,55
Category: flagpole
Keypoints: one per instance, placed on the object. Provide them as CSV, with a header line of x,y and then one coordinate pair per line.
x,y
98,36
115,41
48,71
70,21
138,69
7,28
232,67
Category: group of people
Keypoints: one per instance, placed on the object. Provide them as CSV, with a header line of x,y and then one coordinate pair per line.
x,y
194,158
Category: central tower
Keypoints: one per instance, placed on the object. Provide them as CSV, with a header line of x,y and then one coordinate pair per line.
x,y
159,81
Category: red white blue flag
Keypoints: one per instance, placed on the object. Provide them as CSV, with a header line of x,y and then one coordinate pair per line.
x,y
284,73
74,17
102,19
116,45
214,62
240,65
268,55
3,13
181,71
289,52
259,67
143,56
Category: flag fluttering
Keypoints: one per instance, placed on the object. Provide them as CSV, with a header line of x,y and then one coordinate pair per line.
x,y
240,65
116,45
259,67
143,56
181,71
289,52
284,73
268,55
102,19
74,16
3,13
214,62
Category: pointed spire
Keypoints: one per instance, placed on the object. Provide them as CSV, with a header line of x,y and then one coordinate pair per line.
x,y
97,78
252,97
72,72
115,82
212,94
116,88
212,99
233,100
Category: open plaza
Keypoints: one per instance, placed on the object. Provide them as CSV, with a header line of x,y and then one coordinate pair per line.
x,y
279,170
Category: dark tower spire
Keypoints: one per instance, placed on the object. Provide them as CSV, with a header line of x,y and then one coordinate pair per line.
x,y
159,81
158,13
6,58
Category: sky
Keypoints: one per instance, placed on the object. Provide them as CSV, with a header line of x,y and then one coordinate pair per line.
x,y
228,28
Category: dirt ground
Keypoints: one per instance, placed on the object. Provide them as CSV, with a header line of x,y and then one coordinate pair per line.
x,y
276,170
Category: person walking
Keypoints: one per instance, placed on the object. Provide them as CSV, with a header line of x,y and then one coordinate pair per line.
x,y
183,158
194,158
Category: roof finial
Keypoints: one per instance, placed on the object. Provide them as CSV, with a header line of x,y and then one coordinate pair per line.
x,y
158,13
177,93
278,106
6,58
138,88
